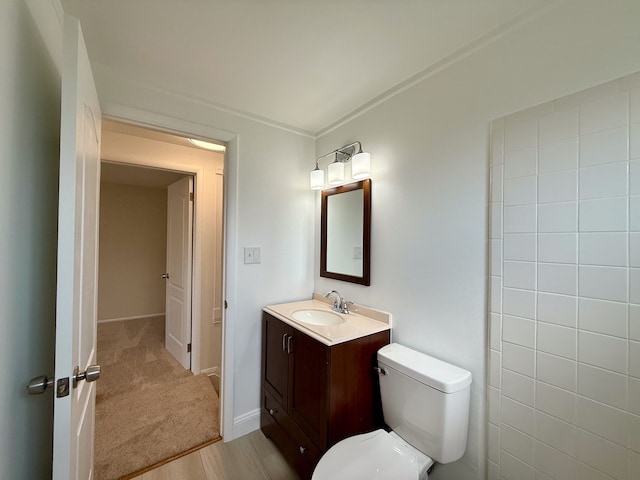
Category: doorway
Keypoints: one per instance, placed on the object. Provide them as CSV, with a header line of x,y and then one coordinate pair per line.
x,y
140,164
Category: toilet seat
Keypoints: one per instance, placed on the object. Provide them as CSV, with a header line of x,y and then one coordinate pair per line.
x,y
376,455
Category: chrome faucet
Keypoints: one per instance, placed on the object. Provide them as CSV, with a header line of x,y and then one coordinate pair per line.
x,y
339,304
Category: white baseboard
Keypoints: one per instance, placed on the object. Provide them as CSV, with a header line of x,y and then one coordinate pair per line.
x,y
137,317
211,371
245,424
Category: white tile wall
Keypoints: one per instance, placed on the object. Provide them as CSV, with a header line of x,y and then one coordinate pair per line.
x,y
520,219
520,191
603,215
556,433
603,420
520,163
604,249
634,141
518,415
520,275
558,217
557,340
518,359
521,303
558,187
557,247
517,444
634,322
520,331
557,371
605,113
556,401
602,385
603,317
557,278
558,309
564,324
634,173
559,125
634,249
558,156
519,247
603,351
603,147
605,283
604,180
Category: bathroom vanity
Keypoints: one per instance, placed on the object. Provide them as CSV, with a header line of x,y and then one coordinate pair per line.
x,y
318,383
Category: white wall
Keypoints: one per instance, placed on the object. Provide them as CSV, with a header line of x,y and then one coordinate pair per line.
x,y
564,383
266,188
429,152
29,153
132,252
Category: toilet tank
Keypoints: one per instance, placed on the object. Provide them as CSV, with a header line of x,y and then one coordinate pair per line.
x,y
425,401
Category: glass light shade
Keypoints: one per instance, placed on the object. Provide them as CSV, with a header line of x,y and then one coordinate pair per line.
x,y
336,173
316,179
361,166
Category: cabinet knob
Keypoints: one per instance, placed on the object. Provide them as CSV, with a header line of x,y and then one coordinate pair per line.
x,y
303,449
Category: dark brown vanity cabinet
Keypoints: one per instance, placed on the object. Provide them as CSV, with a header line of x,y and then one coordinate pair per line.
x,y
314,395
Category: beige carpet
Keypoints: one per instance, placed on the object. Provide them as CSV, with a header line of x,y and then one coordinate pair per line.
x,y
148,408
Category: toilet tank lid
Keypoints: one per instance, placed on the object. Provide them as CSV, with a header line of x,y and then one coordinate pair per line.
x,y
428,370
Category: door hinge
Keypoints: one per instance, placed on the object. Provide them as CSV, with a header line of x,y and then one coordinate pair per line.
x,y
188,348
191,196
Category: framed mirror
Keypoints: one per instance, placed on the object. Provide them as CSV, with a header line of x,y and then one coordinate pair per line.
x,y
345,244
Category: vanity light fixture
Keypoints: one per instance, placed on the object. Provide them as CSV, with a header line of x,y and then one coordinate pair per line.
x,y
360,166
214,147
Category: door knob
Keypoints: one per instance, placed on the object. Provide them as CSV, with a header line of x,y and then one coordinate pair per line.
x,y
38,385
164,275
91,374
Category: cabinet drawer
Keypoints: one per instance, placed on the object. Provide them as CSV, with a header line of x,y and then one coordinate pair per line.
x,y
307,450
274,409
290,451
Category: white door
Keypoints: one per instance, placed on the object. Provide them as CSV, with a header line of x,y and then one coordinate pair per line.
x,y
178,276
77,262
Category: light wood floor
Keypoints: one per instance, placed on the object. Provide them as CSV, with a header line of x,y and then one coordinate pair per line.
x,y
252,457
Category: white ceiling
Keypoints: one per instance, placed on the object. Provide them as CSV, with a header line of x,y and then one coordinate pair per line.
x,y
137,176
304,64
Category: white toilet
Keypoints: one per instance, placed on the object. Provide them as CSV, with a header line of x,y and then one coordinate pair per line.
x,y
425,402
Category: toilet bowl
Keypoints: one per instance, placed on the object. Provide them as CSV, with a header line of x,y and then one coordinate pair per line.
x,y
425,403
378,455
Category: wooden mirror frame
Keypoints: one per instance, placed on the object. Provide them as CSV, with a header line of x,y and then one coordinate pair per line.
x,y
365,279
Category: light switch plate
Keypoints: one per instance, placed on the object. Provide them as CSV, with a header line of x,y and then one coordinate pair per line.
x,y
252,255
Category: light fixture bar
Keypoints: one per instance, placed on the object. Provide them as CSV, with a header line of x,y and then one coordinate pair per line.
x,y
360,166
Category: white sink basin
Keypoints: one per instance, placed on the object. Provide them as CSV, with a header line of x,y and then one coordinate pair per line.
x,y
317,317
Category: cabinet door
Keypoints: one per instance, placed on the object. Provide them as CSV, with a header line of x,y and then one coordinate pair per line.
x,y
275,358
308,405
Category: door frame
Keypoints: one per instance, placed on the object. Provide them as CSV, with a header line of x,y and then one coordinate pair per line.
x,y
177,126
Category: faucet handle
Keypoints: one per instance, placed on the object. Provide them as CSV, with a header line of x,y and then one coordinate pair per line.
x,y
345,306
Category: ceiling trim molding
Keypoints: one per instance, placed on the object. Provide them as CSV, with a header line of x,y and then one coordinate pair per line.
x,y
460,54
204,102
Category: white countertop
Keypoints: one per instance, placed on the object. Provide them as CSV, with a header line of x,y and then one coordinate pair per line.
x,y
355,325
